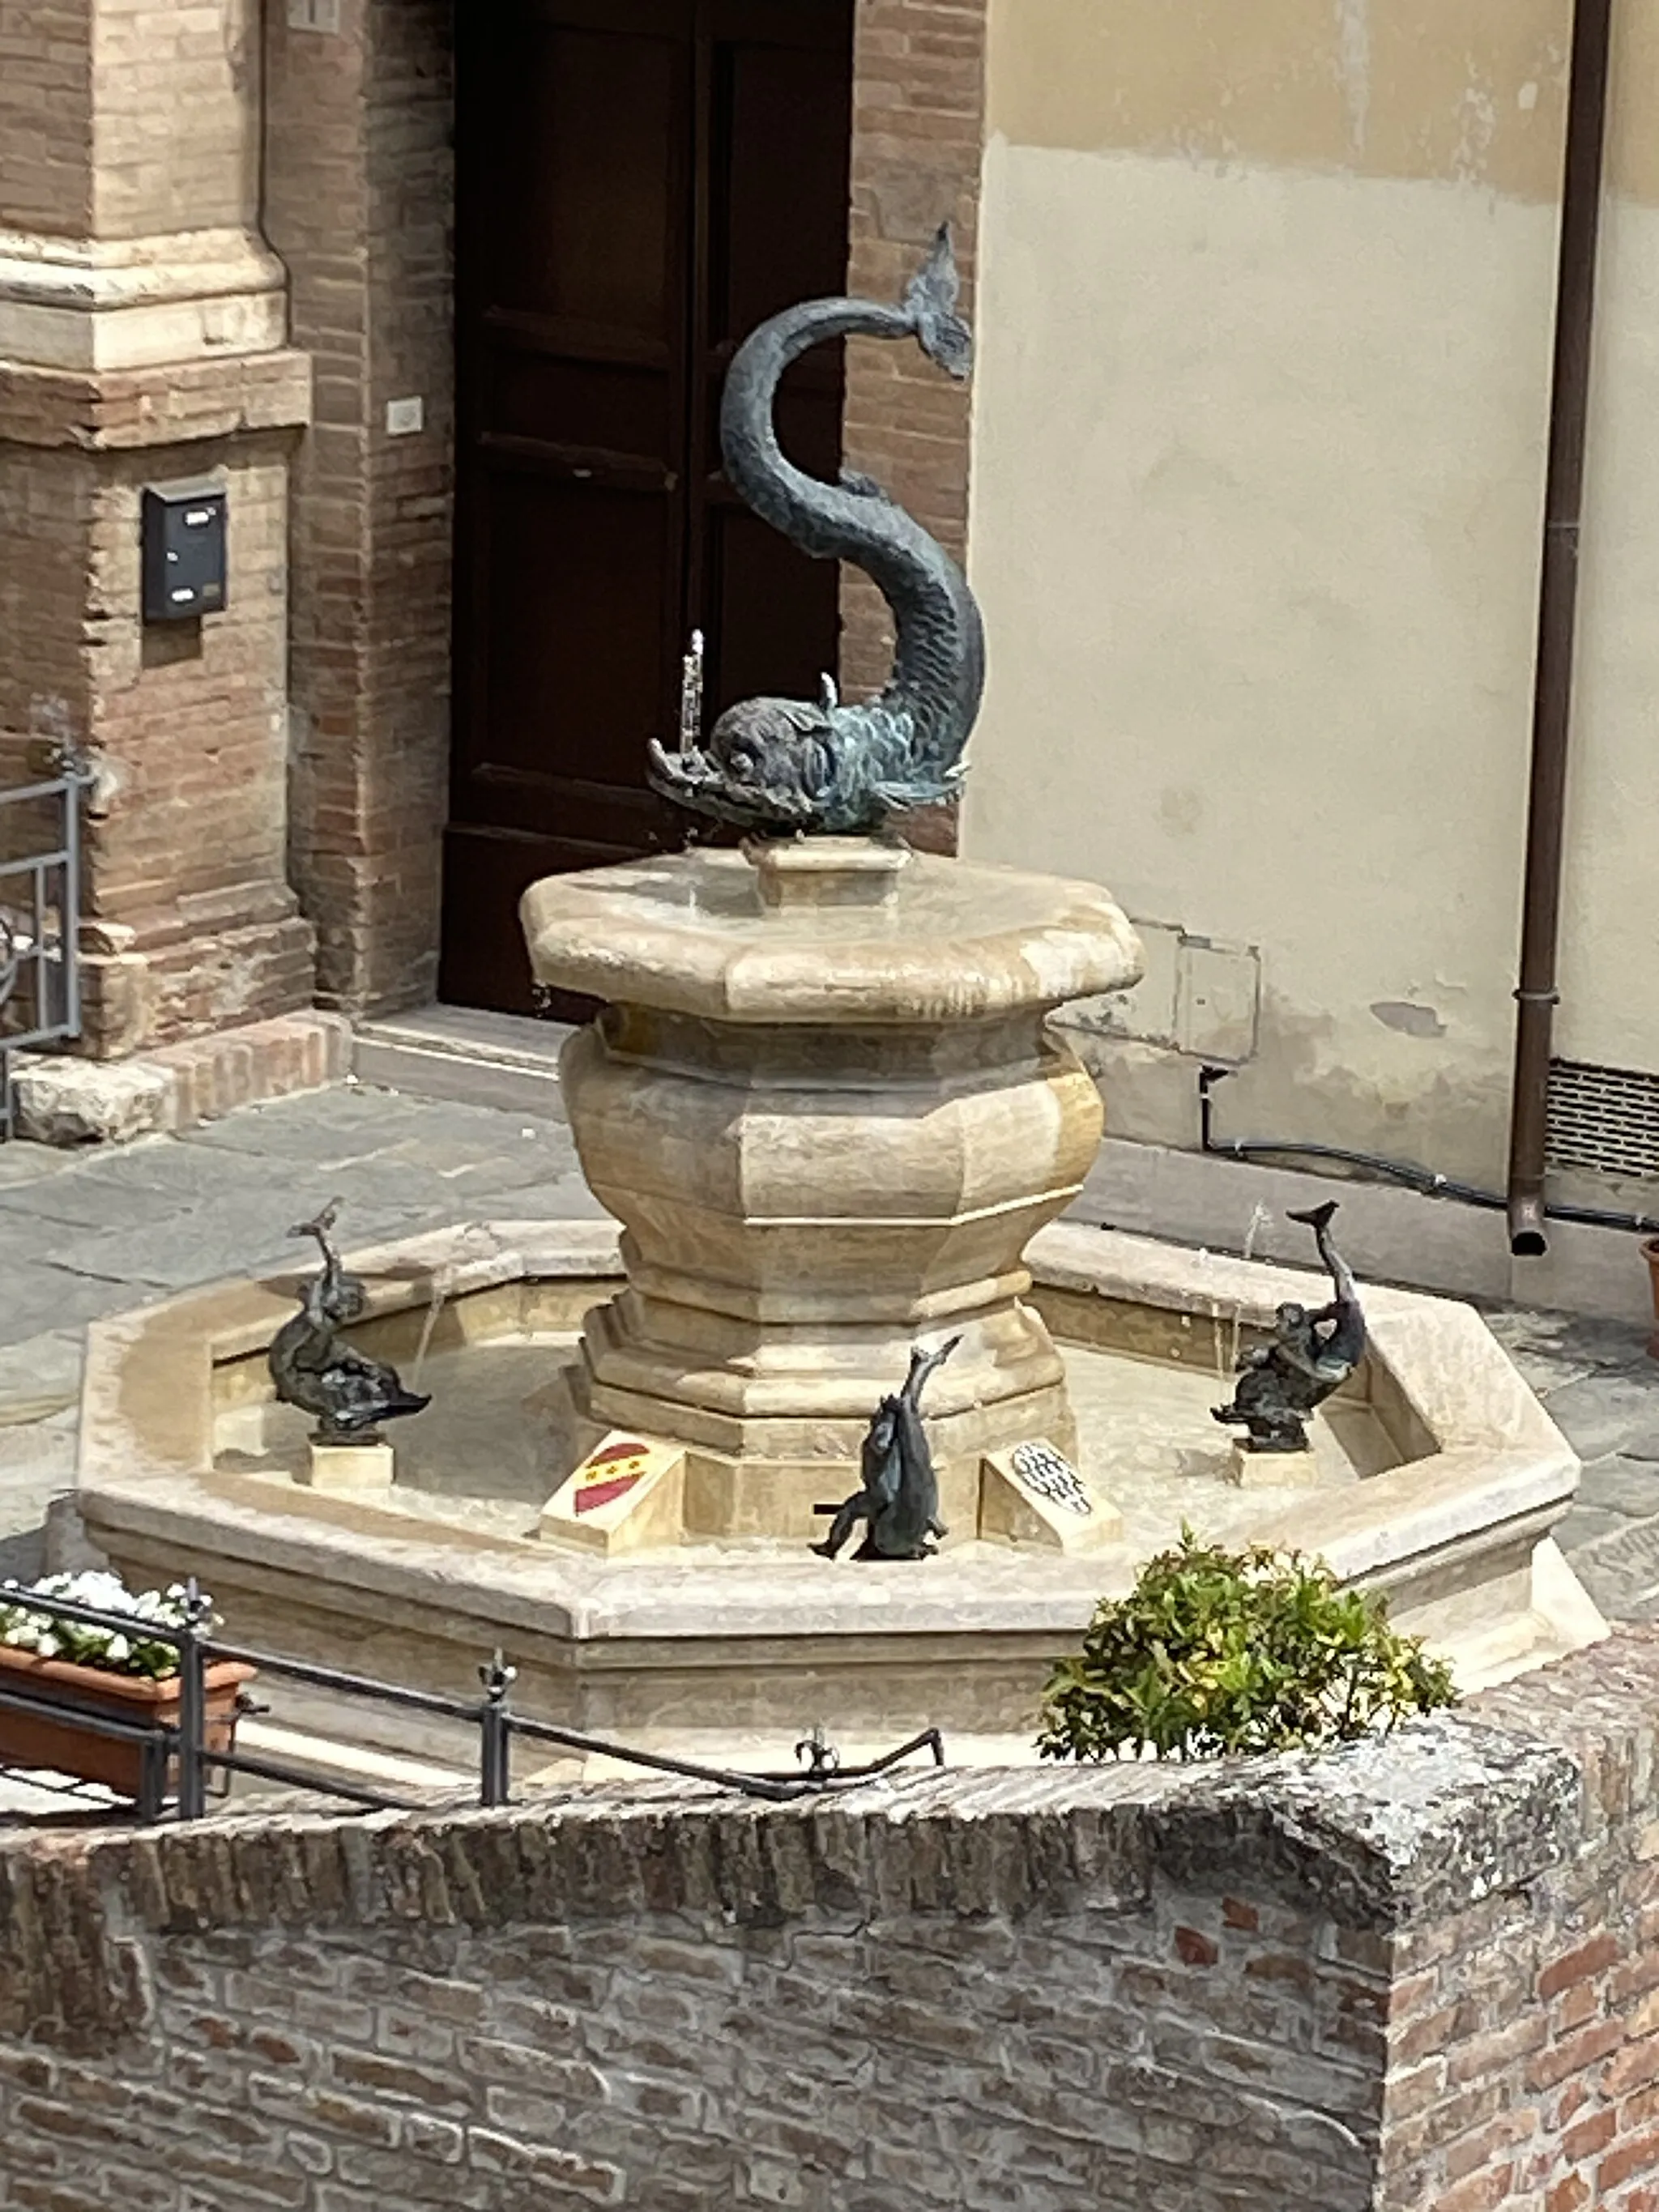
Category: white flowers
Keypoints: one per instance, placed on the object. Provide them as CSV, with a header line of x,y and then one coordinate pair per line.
x,y
24,1629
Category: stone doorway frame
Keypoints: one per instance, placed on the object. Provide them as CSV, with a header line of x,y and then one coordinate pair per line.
x,y
359,203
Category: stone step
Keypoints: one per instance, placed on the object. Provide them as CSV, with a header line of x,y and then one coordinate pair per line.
x,y
322,1759
62,1099
465,1057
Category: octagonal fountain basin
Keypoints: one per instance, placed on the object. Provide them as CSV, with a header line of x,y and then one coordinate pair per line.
x,y
1436,1477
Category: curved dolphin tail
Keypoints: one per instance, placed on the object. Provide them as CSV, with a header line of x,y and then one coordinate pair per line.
x,y
823,765
1347,1341
930,301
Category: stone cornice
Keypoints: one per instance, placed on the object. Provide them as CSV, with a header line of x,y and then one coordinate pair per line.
x,y
105,304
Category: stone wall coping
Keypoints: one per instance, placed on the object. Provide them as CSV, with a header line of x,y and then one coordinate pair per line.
x,y
99,274
1374,1836
178,403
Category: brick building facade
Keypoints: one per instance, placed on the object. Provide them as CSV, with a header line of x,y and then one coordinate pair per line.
x,y
226,247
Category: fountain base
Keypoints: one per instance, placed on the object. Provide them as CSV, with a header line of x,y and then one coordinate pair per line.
x,y
823,1102
1439,1480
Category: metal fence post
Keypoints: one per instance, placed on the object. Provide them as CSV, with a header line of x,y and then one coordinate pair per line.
x,y
77,780
48,1013
153,1774
192,1705
496,1733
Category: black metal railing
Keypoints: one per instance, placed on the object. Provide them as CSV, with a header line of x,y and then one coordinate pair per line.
x,y
177,1760
40,927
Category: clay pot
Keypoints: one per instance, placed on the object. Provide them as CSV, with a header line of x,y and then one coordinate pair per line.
x,y
43,1740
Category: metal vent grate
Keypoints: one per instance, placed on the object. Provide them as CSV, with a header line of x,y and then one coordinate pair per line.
x,y
1605,1119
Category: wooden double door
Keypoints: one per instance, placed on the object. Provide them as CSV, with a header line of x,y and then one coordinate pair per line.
x,y
639,183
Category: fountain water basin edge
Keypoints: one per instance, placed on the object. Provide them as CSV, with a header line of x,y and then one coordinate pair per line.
x,y
1442,1479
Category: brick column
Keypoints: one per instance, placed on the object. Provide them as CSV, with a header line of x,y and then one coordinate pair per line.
x,y
918,133
359,203
142,335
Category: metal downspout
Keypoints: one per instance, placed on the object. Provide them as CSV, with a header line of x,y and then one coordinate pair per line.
x,y
1537,994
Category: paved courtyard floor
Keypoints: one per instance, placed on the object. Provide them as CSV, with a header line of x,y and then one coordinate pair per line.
x,y
86,1234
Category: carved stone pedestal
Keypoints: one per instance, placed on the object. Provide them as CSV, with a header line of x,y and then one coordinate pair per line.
x,y
1254,1470
348,1469
831,1119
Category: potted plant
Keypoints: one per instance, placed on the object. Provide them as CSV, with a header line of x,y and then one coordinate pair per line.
x,y
119,1672
1217,1652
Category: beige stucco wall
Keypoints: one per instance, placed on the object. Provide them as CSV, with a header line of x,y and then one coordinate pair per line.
x,y
1259,453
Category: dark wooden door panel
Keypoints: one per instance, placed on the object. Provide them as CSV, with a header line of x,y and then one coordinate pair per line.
x,y
559,709
641,181
585,145
779,93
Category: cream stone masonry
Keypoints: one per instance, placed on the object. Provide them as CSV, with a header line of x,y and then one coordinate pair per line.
x,y
1469,1476
823,1101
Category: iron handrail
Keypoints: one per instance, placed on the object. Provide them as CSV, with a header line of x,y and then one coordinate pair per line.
x,y
186,1741
330,1678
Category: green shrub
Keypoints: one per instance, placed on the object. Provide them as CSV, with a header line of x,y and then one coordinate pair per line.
x,y
1215,1651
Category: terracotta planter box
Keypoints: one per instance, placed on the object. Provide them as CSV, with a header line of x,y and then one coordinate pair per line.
x,y
42,1740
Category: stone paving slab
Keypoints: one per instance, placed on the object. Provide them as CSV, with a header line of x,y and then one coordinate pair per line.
x,y
28,1239
26,1163
348,1123
1620,1568
42,1300
1587,1524
37,1464
193,1173
40,1212
1599,1414
1619,1484
248,1234
41,1376
568,1199
1555,1350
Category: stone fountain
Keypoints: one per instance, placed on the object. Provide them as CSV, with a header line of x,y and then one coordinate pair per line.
x,y
824,1105
822,1100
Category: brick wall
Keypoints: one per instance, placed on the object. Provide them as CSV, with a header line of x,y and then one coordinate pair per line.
x,y
46,117
918,130
191,725
130,143
153,67
679,2008
1416,1977
359,204
186,931
1524,2030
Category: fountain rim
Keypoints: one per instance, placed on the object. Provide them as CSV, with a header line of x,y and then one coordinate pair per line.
x,y
609,933
145,1464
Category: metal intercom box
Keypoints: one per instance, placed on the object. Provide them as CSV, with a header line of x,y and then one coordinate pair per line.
x,y
183,536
